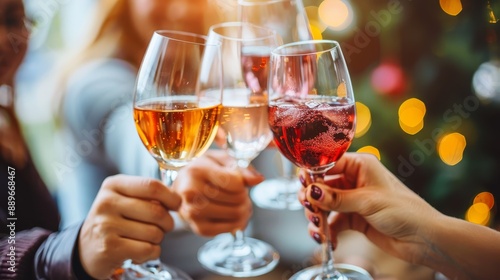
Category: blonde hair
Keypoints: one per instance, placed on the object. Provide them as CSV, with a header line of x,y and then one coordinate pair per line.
x,y
110,35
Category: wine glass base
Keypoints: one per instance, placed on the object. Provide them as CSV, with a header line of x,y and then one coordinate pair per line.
x,y
277,194
160,272
349,272
252,259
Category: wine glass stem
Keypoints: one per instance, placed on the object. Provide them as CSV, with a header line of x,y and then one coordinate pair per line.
x,y
168,176
288,168
240,247
327,266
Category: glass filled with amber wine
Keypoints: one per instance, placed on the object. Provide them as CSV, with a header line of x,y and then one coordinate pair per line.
x,y
177,102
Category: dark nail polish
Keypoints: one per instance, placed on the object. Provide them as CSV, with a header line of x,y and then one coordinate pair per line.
x,y
315,220
316,192
309,206
317,238
303,181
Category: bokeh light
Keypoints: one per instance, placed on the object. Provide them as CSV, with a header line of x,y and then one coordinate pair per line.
x,y
314,20
451,148
411,115
478,213
486,198
363,119
388,79
451,7
336,14
316,32
369,150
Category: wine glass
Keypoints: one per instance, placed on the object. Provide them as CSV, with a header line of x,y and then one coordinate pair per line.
x,y
243,122
312,117
289,19
177,102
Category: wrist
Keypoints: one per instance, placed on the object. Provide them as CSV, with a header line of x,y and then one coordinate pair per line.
x,y
430,232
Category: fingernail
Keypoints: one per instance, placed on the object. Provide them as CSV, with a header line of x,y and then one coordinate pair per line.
x,y
309,206
316,192
302,181
333,246
317,238
255,172
314,220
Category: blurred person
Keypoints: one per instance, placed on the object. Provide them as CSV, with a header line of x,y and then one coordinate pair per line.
x,y
95,88
129,216
31,247
369,199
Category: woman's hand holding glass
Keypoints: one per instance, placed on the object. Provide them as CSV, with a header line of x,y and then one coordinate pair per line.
x,y
312,116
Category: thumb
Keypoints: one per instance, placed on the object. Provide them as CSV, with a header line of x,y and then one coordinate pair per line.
x,y
251,176
334,199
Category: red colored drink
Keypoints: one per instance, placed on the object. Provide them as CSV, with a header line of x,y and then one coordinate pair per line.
x,y
313,134
255,66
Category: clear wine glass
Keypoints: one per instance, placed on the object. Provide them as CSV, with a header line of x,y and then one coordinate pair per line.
x,y
177,102
312,116
289,19
243,121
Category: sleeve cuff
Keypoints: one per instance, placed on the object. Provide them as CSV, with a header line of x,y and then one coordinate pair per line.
x,y
53,260
18,252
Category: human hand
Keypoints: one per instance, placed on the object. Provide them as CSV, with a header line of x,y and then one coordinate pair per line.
x,y
369,199
214,193
128,220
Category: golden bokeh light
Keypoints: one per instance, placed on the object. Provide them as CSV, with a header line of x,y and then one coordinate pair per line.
x,y
411,115
316,32
363,119
314,20
369,150
486,198
451,7
342,90
412,130
478,213
336,14
451,148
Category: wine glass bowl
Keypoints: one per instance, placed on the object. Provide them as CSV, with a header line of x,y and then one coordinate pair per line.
x,y
289,19
243,123
312,116
177,102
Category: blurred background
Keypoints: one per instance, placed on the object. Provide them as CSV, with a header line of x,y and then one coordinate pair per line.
x,y
426,76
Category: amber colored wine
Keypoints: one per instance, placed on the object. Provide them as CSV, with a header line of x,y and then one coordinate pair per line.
x,y
244,121
313,135
176,129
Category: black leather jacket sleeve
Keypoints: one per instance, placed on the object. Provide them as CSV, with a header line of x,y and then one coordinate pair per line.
x,y
57,257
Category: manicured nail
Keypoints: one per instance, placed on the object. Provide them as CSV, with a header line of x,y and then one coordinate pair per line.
x,y
316,192
314,220
309,206
333,246
302,181
317,238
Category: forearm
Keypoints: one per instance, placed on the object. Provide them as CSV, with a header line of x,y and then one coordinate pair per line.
x,y
462,250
